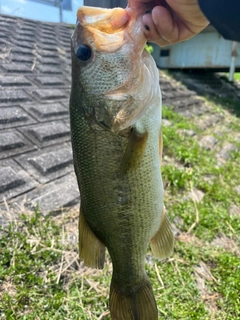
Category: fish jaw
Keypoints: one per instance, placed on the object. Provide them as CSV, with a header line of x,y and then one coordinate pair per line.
x,y
102,29
119,25
106,20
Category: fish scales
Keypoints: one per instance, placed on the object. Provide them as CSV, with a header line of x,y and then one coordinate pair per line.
x,y
116,129
108,194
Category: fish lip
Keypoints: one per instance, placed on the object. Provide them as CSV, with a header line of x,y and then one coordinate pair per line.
x,y
106,20
103,42
121,26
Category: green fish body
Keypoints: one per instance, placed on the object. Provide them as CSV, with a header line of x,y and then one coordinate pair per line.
x,y
115,112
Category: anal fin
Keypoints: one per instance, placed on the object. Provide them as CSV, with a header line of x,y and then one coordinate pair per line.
x,y
163,241
91,249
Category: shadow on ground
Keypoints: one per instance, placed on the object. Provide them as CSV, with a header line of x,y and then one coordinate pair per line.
x,y
213,86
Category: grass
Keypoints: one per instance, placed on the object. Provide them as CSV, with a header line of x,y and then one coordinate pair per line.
x,y
41,276
236,76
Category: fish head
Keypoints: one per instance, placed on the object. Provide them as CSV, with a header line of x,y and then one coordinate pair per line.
x,y
110,68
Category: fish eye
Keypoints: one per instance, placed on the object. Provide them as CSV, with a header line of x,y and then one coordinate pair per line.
x,y
83,52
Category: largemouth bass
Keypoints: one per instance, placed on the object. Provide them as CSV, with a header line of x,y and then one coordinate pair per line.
x,y
115,112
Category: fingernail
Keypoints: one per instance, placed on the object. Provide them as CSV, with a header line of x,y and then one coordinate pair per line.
x,y
146,27
149,11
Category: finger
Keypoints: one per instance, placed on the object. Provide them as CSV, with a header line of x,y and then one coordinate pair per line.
x,y
173,28
165,24
151,32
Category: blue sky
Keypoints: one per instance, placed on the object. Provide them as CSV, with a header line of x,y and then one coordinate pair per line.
x,y
37,11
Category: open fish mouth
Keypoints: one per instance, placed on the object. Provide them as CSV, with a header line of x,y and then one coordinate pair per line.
x,y
109,29
106,20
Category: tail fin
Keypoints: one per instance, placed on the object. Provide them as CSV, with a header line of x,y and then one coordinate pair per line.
x,y
137,305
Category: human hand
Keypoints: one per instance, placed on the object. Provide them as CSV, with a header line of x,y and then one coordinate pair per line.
x,y
171,21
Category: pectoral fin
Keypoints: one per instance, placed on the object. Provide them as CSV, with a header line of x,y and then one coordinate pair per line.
x,y
162,243
91,249
134,151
